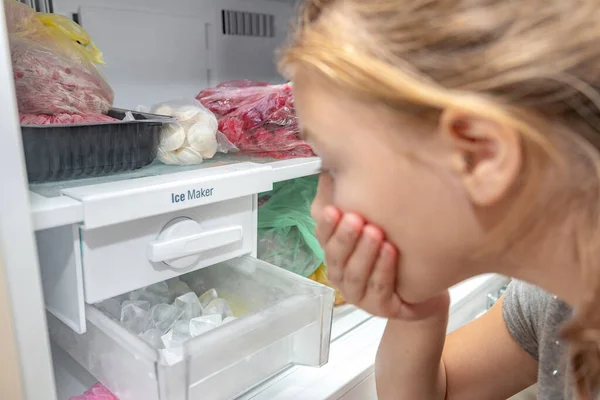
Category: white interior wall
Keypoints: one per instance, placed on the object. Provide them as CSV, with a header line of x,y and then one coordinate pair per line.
x,y
158,50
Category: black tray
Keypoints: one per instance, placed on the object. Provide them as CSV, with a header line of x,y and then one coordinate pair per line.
x,y
60,152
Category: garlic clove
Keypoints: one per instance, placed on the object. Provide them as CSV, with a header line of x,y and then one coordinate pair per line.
x,y
207,118
203,139
182,156
172,137
188,156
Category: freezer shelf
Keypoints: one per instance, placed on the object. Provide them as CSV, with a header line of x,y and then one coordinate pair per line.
x,y
288,323
280,170
56,203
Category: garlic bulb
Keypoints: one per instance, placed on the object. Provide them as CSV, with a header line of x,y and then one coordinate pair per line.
x,y
203,138
172,137
186,113
207,118
163,109
184,156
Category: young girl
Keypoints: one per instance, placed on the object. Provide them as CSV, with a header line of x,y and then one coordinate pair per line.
x,y
460,137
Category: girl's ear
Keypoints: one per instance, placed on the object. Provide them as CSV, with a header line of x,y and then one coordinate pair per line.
x,y
487,155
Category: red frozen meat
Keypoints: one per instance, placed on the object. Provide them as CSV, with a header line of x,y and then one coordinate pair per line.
x,y
257,118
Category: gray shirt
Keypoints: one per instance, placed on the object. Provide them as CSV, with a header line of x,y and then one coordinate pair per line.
x,y
534,318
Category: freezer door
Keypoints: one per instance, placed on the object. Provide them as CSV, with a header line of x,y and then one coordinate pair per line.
x,y
24,307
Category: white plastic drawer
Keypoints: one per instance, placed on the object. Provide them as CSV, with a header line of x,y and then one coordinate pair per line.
x,y
87,265
288,322
118,259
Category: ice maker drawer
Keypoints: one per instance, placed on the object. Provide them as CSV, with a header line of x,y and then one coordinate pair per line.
x,y
96,264
117,258
287,322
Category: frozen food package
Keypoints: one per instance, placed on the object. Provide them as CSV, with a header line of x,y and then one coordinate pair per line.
x,y
53,62
258,118
286,229
96,392
193,137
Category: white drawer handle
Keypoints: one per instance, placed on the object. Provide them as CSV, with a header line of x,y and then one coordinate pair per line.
x,y
180,240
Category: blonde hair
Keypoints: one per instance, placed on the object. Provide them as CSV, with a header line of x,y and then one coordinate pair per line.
x,y
533,65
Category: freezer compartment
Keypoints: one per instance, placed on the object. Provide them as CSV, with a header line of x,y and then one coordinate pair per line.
x,y
285,320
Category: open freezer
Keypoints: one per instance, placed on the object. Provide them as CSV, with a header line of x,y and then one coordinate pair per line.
x,y
105,237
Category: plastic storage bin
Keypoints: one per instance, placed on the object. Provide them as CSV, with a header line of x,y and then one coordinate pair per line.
x,y
288,322
59,152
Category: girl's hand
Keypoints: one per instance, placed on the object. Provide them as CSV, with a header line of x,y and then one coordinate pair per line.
x,y
364,266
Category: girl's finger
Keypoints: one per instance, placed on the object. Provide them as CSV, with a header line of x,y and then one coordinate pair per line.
x,y
341,244
361,263
326,224
382,284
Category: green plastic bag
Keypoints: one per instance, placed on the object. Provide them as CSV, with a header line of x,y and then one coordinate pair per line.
x,y
286,231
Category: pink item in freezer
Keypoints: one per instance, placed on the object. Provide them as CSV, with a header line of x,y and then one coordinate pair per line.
x,y
258,118
50,83
96,392
52,73
64,119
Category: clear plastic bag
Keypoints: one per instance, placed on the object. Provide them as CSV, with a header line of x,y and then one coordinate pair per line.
x,y
195,135
258,118
53,72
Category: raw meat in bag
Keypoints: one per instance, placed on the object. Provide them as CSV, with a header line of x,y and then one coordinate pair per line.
x,y
257,118
54,72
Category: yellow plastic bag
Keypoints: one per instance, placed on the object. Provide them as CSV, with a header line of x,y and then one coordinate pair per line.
x,y
320,275
53,72
72,30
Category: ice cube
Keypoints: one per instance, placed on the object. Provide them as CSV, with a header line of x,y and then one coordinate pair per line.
x,y
112,307
134,318
177,288
161,288
153,337
173,355
212,318
207,297
144,305
203,324
218,306
181,331
195,282
190,304
167,340
154,294
177,335
163,316
229,319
